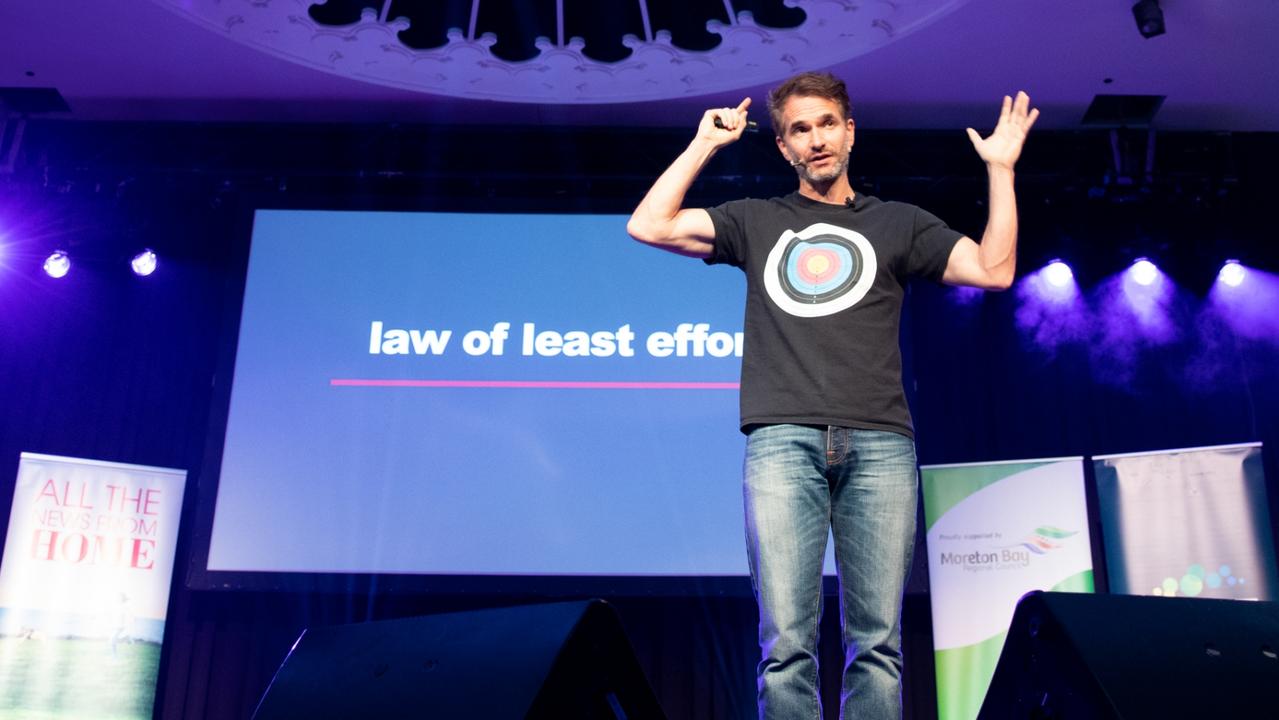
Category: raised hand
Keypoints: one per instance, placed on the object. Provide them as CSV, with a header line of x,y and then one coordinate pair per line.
x,y
1003,147
733,121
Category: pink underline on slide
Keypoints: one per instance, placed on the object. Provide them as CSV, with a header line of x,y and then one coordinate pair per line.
x,y
554,384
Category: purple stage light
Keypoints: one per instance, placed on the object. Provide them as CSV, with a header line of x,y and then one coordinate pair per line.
x,y
1050,315
1248,311
57,265
965,295
1148,295
1058,274
143,263
1232,273
1053,283
1143,272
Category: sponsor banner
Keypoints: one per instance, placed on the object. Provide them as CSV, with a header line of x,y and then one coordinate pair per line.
x,y
84,587
1188,523
996,531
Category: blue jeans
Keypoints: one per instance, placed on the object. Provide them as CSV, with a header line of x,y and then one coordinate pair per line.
x,y
800,483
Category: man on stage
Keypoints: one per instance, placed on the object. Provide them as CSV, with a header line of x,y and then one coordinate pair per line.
x,y
829,438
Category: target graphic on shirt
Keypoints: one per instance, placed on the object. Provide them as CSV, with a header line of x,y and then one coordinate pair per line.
x,y
819,270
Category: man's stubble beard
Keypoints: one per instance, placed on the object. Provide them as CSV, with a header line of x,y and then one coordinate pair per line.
x,y
840,167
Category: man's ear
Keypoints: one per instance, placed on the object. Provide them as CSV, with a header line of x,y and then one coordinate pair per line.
x,y
781,146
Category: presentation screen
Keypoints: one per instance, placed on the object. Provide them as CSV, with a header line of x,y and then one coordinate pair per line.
x,y
479,394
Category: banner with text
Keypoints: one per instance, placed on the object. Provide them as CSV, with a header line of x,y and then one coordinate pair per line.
x,y
1190,523
996,531
84,587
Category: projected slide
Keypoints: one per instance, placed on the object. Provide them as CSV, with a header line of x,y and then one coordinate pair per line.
x,y
480,394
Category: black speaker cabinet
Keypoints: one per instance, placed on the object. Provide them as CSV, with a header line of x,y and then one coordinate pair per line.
x,y
561,660
1071,655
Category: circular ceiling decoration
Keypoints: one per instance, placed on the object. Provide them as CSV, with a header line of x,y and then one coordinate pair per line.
x,y
565,51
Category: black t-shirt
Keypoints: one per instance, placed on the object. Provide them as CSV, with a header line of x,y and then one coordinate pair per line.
x,y
824,288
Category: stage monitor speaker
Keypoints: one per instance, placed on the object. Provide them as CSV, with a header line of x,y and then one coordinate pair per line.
x,y
561,660
1075,655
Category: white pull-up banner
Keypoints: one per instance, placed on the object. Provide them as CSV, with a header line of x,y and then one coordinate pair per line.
x,y
84,587
1187,523
996,531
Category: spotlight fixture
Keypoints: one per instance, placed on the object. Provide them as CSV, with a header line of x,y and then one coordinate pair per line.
x,y
57,265
1143,271
1149,17
1232,273
143,263
1058,273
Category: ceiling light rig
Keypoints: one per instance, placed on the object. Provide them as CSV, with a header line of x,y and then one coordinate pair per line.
x,y
1149,17
562,52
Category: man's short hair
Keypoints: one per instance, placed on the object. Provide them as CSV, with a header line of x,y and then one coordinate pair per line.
x,y
807,84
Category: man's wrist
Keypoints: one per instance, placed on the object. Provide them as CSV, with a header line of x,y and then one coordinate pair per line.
x,y
703,146
701,151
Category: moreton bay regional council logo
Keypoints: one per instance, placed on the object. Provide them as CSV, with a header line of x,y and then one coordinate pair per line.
x,y
819,270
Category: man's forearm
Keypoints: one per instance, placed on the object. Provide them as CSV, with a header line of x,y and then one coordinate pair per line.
x,y
653,218
998,249
996,256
